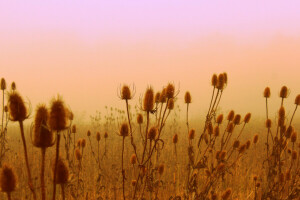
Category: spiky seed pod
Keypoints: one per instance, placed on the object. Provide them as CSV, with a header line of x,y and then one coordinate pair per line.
x,y
281,112
216,131
283,92
281,122
230,127
70,115
207,172
8,179
225,78
139,118
62,172
192,134
205,136
83,143
218,154
74,128
289,151
230,115
161,169
221,82
237,119
255,139
221,167
13,86
163,96
3,84
294,155
294,137
171,104
125,93
247,117
289,132
297,100
42,136
152,133
214,196
175,139
214,80
268,123
124,130
219,119
242,148
88,133
157,97
78,154
236,144
5,109
133,159
58,115
105,135
16,107
267,92
288,176
78,144
226,194
255,178
210,129
133,183
98,136
170,90
222,155
248,144
187,98
148,100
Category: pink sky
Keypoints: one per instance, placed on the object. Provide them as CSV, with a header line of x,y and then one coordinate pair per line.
x,y
85,49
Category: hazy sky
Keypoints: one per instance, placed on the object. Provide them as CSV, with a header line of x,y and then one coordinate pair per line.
x,y
84,50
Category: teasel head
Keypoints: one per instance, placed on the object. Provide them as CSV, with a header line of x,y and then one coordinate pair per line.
x,y
88,133
16,107
70,115
125,93
187,97
210,128
3,84
83,143
133,183
248,144
74,128
171,104
297,100
214,80
236,144
175,139
161,169
230,127
216,131
294,137
8,179
281,112
283,92
230,115
219,119
221,82
13,86
163,96
192,134
226,194
267,92
105,135
288,176
5,109
242,148
221,167
225,78
62,172
42,135
237,119
157,97
247,117
294,155
222,155
214,196
78,144
255,178
148,105
255,139
268,123
152,133
170,91
58,117
124,130
139,118
98,136
78,154
133,159
289,132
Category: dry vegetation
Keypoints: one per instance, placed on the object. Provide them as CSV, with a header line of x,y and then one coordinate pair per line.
x,y
140,154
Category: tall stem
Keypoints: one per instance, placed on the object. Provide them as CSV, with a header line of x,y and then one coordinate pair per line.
x,y
63,191
55,165
123,172
43,188
8,196
293,114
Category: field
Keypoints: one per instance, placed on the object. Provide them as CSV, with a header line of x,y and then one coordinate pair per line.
x,y
147,151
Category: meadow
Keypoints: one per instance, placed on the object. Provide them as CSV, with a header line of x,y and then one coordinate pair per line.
x,y
140,152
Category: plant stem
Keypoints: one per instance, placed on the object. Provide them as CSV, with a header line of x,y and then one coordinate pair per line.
x,y
43,188
55,164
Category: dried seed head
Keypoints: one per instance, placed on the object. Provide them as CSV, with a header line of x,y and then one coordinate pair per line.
x,y
88,133
281,112
105,135
207,172
247,117
242,148
221,82
283,92
214,80
289,132
126,93
152,133
294,137
268,123
255,139
175,138
5,109
171,104
148,100
248,144
157,97
255,178
297,100
83,143
221,167
13,86
163,96
98,136
257,184
70,115
42,136
161,169
8,179
267,92
226,194
236,144
214,196
288,176
230,115
133,183
237,119
192,134
219,119
294,155
187,97
282,130
222,155
216,131
62,172
16,107
78,143
139,118
58,115
74,128
133,159
205,136
210,129
78,154
225,78
230,127
170,90
3,84
124,130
